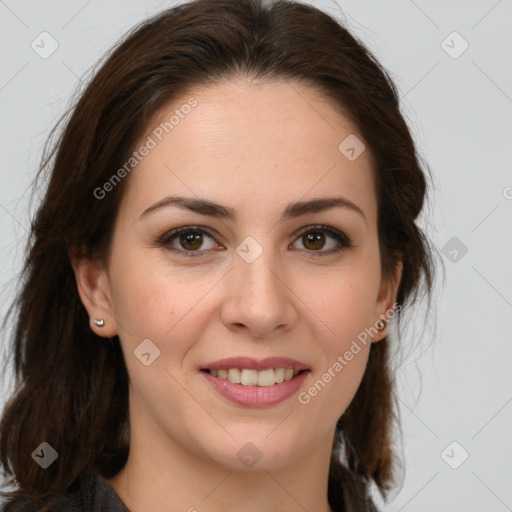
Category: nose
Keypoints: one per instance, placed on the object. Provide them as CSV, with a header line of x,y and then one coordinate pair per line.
x,y
259,297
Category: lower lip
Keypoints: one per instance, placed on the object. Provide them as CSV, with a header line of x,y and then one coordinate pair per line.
x,y
256,396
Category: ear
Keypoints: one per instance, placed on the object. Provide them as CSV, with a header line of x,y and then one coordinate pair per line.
x,y
387,299
94,291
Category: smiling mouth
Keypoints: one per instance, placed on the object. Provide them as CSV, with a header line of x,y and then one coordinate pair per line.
x,y
249,377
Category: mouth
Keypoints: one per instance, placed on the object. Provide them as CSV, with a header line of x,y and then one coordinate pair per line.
x,y
258,387
256,378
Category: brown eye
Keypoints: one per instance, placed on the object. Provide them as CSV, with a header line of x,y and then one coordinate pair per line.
x,y
188,241
192,240
317,238
313,240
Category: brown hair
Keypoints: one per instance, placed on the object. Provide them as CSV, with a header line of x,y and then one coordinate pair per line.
x,y
71,386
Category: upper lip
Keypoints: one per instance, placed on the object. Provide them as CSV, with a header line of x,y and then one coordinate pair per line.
x,y
255,364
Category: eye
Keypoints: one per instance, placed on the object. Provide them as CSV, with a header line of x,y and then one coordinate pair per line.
x,y
313,239
190,240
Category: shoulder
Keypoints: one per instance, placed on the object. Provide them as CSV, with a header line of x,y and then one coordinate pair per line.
x,y
91,493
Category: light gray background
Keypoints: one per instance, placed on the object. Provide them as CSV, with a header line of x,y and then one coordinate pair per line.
x,y
457,386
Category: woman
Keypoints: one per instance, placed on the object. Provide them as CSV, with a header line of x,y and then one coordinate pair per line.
x,y
227,233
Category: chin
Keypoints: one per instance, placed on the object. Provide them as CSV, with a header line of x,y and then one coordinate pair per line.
x,y
255,451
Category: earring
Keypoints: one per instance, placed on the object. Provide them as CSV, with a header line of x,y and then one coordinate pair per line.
x,y
381,324
99,322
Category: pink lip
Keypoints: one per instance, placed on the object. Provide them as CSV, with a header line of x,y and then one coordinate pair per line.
x,y
256,396
255,364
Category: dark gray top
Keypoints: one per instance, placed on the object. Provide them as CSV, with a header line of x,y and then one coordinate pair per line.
x,y
94,495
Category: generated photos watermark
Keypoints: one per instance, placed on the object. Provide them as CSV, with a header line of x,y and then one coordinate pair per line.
x,y
150,143
363,337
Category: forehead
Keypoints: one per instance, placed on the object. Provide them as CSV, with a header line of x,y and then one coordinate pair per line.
x,y
250,144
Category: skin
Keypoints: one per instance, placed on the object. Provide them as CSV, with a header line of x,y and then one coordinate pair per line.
x,y
254,147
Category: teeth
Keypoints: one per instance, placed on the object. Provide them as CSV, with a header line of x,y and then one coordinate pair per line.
x,y
266,378
234,375
248,377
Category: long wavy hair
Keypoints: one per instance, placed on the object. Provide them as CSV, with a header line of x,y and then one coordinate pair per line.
x,y
71,387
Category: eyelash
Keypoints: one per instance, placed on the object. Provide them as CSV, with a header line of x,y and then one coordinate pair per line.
x,y
340,237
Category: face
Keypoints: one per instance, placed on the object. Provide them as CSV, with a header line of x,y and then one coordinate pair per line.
x,y
259,270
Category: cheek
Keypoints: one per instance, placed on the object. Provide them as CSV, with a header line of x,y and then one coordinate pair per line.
x,y
144,304
347,304
344,312
139,298
153,302
335,384
147,289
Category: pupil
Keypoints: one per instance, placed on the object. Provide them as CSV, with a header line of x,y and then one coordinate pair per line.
x,y
315,239
190,239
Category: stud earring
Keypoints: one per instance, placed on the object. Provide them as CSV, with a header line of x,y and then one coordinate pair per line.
x,y
99,322
381,324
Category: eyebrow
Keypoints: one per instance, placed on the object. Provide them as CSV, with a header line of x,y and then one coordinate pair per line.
x,y
293,210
